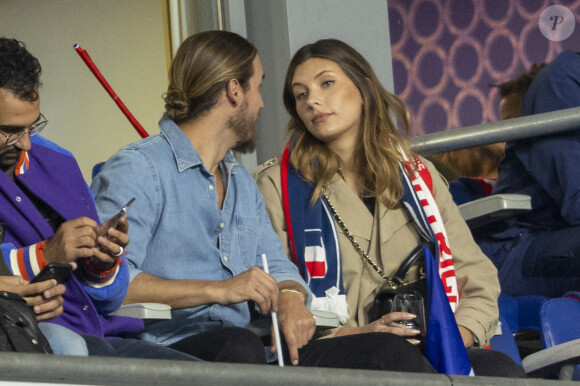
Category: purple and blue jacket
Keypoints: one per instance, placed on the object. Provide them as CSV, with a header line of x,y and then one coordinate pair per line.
x,y
52,174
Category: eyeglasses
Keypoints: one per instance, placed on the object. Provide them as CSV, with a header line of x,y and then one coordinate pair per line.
x,y
36,128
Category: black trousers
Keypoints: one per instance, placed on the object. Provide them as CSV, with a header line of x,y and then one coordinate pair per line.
x,y
384,351
376,351
228,344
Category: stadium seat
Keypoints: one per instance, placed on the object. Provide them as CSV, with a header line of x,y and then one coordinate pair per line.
x,y
504,340
96,169
559,319
144,311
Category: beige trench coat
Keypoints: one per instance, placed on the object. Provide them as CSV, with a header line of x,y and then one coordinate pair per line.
x,y
388,237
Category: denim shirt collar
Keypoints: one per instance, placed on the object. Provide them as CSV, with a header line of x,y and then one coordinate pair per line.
x,y
186,156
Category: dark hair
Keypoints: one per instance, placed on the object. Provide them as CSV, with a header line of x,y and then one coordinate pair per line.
x,y
19,70
377,155
204,64
520,84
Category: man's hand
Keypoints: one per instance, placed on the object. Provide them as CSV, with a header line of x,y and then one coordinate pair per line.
x,y
111,242
72,240
253,284
44,297
296,322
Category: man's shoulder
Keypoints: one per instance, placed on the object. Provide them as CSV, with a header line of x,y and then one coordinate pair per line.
x,y
148,151
40,143
150,144
270,167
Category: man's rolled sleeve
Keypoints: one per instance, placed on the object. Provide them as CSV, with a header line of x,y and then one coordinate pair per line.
x,y
109,297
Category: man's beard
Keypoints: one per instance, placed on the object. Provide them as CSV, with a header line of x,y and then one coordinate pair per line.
x,y
8,158
244,127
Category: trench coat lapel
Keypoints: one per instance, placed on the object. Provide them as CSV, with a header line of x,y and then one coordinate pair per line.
x,y
351,209
392,221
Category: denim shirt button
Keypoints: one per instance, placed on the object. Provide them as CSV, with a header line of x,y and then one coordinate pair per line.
x,y
225,258
210,187
222,225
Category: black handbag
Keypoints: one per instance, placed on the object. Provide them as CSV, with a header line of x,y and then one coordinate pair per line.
x,y
383,302
19,329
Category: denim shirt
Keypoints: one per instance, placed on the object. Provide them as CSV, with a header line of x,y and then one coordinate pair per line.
x,y
177,230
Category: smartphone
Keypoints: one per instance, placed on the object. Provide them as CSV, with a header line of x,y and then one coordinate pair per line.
x,y
58,271
117,217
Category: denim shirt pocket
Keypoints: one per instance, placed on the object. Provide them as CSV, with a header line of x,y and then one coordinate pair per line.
x,y
247,227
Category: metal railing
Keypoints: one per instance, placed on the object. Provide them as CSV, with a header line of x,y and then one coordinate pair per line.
x,y
59,369
502,131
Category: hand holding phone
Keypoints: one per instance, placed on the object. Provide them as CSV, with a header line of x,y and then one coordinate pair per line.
x,y
114,222
58,271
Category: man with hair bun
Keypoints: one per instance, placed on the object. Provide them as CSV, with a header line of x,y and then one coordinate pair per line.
x,y
198,224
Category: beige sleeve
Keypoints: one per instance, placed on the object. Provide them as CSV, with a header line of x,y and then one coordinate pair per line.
x,y
476,275
269,184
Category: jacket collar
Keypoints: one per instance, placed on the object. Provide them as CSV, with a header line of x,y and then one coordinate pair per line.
x,y
185,154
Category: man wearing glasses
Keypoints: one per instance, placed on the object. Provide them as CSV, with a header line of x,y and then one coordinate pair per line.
x,y
47,214
14,134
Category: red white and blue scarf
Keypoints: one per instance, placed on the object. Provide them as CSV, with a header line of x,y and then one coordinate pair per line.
x,y
315,250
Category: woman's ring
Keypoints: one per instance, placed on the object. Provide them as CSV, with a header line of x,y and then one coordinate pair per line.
x,y
120,252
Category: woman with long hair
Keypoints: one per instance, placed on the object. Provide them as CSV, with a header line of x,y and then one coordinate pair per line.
x,y
350,202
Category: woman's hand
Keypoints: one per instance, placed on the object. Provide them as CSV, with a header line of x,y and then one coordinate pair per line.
x,y
387,323
467,337
45,297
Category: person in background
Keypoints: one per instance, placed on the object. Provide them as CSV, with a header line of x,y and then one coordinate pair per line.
x,y
348,175
477,168
48,215
198,225
539,252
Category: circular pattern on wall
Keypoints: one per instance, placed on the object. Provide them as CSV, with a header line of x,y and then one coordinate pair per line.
x,y
544,51
428,70
530,9
461,16
433,115
398,29
400,70
489,113
446,53
425,22
468,108
497,13
464,61
499,52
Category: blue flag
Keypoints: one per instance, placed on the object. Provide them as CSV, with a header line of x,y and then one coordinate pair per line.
x,y
444,347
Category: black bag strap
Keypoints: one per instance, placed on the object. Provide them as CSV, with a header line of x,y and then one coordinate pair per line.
x,y
4,270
